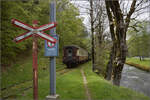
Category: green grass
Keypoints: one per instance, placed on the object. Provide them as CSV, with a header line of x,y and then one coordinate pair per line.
x,y
143,65
69,85
21,71
101,89
145,62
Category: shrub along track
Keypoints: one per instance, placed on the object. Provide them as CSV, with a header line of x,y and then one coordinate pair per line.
x,y
7,92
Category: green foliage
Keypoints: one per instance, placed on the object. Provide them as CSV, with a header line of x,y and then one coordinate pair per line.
x,y
101,55
139,42
25,12
70,27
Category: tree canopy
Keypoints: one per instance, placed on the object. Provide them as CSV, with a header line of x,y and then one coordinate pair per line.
x,y
70,27
139,41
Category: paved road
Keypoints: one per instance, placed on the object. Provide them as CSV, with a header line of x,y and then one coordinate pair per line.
x,y
136,79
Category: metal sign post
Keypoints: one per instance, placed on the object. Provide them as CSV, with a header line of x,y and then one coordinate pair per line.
x,y
53,59
52,51
34,31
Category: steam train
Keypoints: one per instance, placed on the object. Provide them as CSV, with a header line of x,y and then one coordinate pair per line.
x,y
73,55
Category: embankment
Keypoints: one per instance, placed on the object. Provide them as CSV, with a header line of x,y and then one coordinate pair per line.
x,y
142,67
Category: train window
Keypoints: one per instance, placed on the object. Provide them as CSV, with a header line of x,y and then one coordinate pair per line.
x,y
78,53
69,52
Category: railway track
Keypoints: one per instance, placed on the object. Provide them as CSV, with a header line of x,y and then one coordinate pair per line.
x,y
4,97
13,85
16,84
13,95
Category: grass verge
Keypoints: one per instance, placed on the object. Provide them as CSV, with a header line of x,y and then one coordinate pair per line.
x,y
101,89
143,65
69,86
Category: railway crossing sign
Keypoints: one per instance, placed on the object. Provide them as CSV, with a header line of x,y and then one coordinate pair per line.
x,y
34,32
38,31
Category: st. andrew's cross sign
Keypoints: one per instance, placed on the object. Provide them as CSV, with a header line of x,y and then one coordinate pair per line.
x,y
34,32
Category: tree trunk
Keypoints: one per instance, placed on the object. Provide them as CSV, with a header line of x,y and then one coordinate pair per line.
x,y
140,58
118,29
109,68
92,32
119,63
112,53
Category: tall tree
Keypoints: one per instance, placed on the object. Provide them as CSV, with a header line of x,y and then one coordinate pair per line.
x,y
119,20
101,42
118,28
92,34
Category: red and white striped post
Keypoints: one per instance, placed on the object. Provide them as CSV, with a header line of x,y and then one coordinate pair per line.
x,y
35,65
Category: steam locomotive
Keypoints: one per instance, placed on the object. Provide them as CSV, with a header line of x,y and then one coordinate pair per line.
x,y
73,55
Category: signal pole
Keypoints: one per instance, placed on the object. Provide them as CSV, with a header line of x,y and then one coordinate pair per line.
x,y
53,95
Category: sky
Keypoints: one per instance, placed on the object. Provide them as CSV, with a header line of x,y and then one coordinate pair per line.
x,y
84,5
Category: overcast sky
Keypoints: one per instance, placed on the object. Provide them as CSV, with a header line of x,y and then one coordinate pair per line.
x,y
84,6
